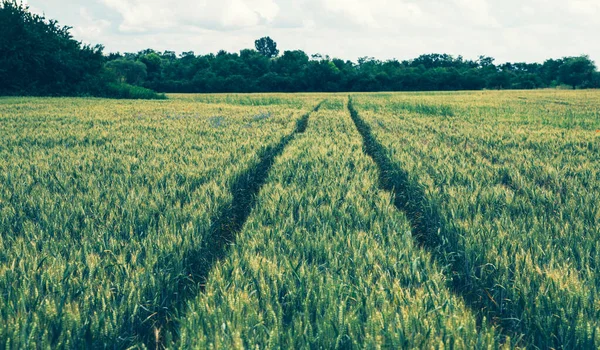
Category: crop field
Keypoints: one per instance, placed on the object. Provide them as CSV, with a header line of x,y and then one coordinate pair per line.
x,y
466,220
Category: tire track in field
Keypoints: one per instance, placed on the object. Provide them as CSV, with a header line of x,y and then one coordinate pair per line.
x,y
226,224
426,221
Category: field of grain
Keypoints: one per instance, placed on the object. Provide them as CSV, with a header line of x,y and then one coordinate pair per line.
x,y
382,220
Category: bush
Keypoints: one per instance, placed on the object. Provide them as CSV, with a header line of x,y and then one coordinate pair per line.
x,y
126,91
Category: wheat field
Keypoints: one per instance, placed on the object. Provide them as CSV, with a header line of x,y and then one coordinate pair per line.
x,y
322,221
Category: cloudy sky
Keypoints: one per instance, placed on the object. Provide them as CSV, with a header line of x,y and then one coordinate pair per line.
x,y
509,30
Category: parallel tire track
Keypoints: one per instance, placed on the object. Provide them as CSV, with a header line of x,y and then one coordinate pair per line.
x,y
426,221
226,224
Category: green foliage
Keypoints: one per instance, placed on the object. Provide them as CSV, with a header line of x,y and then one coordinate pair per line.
x,y
267,47
127,71
152,62
127,91
577,72
294,71
39,57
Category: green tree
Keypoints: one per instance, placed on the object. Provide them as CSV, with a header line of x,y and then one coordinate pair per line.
x,y
152,62
550,71
291,63
127,71
40,57
255,64
485,61
267,47
596,80
577,71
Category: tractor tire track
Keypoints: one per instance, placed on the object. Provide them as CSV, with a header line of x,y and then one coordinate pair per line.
x,y
427,223
226,224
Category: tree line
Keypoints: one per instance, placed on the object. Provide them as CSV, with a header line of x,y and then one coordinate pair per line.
x,y
40,57
294,71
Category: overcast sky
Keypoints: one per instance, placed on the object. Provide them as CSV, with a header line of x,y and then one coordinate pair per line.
x,y
509,30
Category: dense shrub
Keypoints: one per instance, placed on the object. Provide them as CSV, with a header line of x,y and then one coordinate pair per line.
x,y
127,91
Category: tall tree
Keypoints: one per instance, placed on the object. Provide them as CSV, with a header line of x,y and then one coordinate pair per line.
x,y
577,71
267,47
40,57
127,71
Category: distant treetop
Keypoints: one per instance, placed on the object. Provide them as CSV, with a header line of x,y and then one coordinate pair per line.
x,y
267,47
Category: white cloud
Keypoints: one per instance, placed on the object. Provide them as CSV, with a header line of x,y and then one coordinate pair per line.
x,y
90,30
356,11
152,15
585,7
476,12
